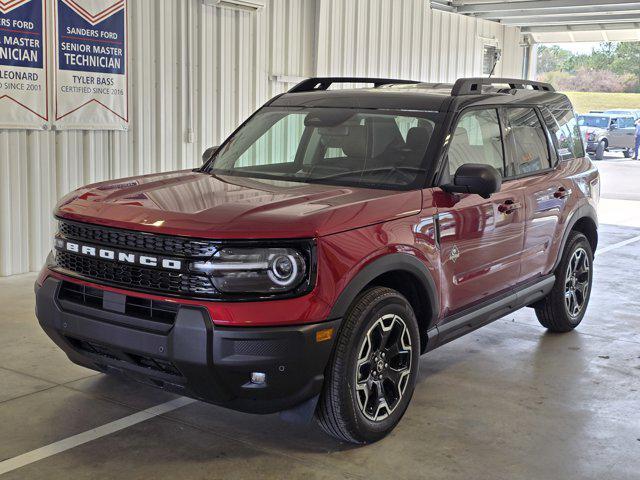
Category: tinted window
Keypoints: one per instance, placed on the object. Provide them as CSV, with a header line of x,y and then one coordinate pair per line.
x,y
567,131
527,141
477,139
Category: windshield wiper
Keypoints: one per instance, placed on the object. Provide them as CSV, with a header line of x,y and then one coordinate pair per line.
x,y
389,169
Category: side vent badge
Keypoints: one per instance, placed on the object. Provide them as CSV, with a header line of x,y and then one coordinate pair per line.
x,y
454,254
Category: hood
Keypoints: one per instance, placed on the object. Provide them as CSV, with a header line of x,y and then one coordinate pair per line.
x,y
224,207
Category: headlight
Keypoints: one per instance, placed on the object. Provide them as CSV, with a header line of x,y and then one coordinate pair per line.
x,y
255,270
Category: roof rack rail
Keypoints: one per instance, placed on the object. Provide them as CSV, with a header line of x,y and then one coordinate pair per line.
x,y
323,83
473,86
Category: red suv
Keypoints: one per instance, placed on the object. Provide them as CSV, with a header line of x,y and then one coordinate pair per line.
x,y
332,239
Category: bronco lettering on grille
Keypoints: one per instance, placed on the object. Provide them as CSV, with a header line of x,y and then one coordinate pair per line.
x,y
118,255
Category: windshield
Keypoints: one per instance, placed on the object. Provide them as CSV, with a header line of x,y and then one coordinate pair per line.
x,y
366,148
593,121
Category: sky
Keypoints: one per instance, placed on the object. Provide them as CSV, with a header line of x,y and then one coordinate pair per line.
x,y
577,47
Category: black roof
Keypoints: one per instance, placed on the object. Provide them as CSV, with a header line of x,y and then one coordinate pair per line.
x,y
410,95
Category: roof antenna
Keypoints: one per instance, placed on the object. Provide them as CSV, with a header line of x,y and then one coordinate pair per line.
x,y
497,54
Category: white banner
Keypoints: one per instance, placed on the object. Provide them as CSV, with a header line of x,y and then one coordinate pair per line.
x,y
91,64
23,64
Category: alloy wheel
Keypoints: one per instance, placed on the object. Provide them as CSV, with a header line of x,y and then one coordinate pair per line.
x,y
577,282
383,367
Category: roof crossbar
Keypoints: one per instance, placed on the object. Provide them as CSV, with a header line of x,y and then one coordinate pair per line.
x,y
323,83
473,86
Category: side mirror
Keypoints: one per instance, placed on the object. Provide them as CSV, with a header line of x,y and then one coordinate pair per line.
x,y
613,127
475,178
208,153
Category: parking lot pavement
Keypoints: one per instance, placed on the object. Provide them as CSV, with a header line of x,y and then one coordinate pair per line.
x,y
620,178
508,401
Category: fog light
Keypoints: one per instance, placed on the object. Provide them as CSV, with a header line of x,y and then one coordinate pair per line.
x,y
258,378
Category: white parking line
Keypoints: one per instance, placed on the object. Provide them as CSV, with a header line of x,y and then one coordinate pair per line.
x,y
600,251
84,437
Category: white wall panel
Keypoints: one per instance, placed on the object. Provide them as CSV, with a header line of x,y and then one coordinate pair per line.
x,y
203,70
403,38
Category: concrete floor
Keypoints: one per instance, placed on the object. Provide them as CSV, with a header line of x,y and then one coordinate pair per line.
x,y
509,401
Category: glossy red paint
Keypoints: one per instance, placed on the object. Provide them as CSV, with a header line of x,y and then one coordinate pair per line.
x,y
202,205
482,251
340,257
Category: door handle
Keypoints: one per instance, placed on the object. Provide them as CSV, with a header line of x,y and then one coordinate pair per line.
x,y
509,206
562,192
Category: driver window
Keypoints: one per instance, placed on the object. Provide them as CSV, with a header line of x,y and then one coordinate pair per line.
x,y
477,139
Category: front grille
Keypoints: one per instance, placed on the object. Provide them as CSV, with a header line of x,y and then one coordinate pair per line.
x,y
132,276
140,241
147,309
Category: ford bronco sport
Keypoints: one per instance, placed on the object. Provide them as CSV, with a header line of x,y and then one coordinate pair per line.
x,y
606,132
332,239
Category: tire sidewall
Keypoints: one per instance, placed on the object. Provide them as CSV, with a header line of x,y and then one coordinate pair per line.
x,y
366,429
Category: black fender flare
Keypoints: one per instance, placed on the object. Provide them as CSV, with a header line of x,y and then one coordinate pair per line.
x,y
388,263
584,211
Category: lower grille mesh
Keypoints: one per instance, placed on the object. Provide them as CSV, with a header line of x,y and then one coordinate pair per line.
x,y
135,276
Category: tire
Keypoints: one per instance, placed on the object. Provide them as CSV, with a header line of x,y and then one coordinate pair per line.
x,y
627,153
556,312
346,411
600,149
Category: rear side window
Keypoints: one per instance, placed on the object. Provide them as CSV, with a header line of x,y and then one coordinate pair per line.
x,y
527,141
626,122
566,131
477,139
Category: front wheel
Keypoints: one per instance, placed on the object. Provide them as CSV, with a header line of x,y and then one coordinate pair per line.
x,y
373,371
564,307
628,153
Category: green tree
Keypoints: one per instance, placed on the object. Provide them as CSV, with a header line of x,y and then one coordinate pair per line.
x,y
551,59
627,59
614,64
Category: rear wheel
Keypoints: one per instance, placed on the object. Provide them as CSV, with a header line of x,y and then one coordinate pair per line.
x,y
564,307
373,371
628,153
600,149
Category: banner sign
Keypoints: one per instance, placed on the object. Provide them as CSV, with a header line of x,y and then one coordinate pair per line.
x,y
91,64
23,64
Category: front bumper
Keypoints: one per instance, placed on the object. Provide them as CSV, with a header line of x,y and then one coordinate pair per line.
x,y
189,355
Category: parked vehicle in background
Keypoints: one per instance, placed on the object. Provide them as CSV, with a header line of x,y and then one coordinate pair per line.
x,y
330,241
625,111
605,132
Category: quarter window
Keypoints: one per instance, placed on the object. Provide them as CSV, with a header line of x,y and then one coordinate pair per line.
x,y
477,139
527,141
567,131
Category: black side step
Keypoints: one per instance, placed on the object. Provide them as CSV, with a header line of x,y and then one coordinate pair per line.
x,y
478,316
